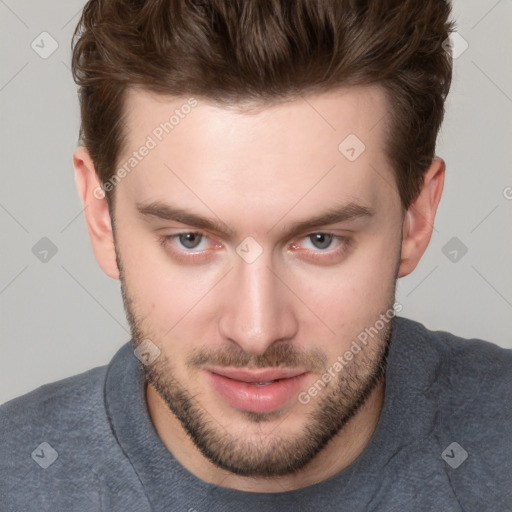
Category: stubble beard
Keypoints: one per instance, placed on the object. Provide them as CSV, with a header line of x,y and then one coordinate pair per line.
x,y
274,454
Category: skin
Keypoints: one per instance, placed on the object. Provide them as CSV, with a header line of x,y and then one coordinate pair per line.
x,y
298,304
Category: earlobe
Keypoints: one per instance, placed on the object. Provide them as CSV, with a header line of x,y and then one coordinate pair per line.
x,y
96,211
419,219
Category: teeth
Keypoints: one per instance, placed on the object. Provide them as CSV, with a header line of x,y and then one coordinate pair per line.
x,y
262,383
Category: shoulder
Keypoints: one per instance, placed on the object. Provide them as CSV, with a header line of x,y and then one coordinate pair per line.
x,y
49,439
467,381
478,380
461,361
55,403
481,365
63,413
58,449
462,395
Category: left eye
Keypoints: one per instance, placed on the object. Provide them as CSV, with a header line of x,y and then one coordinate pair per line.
x,y
189,240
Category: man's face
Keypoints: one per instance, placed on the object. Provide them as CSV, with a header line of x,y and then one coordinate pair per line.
x,y
250,311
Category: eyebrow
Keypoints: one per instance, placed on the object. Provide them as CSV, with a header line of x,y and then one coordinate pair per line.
x,y
345,212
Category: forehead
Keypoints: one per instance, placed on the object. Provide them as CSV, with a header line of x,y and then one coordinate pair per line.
x,y
305,149
358,110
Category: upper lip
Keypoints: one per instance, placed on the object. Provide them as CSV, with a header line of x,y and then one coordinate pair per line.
x,y
258,375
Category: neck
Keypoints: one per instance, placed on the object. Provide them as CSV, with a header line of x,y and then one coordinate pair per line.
x,y
337,455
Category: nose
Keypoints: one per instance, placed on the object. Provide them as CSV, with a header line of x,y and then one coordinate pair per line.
x,y
258,308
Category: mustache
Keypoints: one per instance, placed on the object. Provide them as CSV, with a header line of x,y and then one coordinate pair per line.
x,y
279,355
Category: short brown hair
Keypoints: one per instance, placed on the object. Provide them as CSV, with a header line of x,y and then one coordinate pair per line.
x,y
233,51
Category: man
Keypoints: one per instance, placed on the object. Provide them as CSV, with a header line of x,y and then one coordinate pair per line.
x,y
258,175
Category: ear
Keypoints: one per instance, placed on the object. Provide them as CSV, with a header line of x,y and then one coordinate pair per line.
x,y
419,218
96,212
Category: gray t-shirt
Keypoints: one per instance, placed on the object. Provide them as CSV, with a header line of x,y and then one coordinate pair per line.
x,y
443,442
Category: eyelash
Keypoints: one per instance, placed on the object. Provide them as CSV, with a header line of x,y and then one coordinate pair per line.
x,y
324,256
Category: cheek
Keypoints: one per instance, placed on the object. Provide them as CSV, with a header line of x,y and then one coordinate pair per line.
x,y
356,292
172,301
375,274
158,290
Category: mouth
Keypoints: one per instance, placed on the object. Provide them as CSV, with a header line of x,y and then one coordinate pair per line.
x,y
259,390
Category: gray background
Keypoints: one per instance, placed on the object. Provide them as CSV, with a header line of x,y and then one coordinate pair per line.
x,y
63,316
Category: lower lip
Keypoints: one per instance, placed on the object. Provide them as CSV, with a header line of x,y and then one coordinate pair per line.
x,y
250,397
